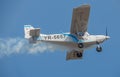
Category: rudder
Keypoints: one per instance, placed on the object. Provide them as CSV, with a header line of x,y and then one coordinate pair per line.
x,y
27,29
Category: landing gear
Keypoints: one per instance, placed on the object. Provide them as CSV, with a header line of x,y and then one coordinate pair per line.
x,y
80,45
99,48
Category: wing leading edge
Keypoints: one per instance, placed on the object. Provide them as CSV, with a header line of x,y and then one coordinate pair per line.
x,y
80,18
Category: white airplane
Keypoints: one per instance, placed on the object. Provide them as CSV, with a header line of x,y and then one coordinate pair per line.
x,y
78,39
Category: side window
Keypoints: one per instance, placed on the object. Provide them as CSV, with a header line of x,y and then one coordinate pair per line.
x,y
80,33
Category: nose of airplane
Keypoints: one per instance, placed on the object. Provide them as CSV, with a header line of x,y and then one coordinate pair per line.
x,y
102,38
107,37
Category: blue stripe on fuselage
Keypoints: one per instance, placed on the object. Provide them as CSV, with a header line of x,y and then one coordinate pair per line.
x,y
73,37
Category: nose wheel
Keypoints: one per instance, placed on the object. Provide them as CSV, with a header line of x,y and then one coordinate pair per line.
x,y
99,48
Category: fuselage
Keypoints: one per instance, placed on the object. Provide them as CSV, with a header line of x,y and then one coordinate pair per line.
x,y
87,40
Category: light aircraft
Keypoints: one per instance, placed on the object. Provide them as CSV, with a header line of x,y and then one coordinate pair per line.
x,y
78,39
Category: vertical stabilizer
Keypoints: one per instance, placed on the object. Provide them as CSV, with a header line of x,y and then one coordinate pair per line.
x,y
27,29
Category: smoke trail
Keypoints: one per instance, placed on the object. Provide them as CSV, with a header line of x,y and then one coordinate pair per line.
x,y
20,45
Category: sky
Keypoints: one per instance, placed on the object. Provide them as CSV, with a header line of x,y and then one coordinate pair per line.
x,y
54,16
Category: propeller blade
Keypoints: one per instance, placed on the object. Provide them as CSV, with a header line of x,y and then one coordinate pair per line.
x,y
106,32
107,37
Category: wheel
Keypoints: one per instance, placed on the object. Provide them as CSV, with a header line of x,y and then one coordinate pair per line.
x,y
79,54
80,45
99,49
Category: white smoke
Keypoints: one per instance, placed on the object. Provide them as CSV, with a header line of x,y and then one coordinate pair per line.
x,y
20,45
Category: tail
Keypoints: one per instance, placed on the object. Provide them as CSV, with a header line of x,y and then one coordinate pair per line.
x,y
27,29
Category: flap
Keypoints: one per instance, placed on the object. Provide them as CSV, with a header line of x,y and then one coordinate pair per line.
x,y
35,32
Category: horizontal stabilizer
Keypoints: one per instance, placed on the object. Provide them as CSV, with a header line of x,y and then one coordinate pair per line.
x,y
35,32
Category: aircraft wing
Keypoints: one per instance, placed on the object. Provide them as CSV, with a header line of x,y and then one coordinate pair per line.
x,y
80,19
71,55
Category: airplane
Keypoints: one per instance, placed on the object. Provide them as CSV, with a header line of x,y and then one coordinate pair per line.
x,y
78,39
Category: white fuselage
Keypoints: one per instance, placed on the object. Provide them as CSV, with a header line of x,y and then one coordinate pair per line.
x,y
72,40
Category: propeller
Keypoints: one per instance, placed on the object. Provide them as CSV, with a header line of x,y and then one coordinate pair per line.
x,y
107,37
106,32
